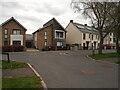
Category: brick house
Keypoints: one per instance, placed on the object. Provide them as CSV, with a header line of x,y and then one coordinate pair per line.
x,y
51,34
12,33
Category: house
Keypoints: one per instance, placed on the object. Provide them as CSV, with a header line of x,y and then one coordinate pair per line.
x,y
110,41
29,41
51,34
85,37
12,33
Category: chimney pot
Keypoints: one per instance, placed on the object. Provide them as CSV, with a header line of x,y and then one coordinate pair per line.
x,y
71,20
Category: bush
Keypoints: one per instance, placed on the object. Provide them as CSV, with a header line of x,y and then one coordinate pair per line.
x,y
13,48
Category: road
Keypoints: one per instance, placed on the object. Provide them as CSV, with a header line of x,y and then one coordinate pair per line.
x,y
70,69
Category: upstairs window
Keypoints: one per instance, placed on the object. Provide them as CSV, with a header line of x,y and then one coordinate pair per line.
x,y
59,34
84,36
92,37
45,35
5,33
16,32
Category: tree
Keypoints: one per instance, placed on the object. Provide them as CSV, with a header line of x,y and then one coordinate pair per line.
x,y
115,18
99,14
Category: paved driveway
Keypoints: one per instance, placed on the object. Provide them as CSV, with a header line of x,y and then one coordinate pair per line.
x,y
70,69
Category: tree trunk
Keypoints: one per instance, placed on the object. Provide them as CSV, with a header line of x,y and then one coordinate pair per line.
x,y
117,46
100,47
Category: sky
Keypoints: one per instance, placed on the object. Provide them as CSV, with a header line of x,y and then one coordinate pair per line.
x,y
32,14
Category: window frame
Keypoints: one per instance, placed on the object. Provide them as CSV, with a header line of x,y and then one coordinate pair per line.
x,y
60,43
84,36
5,34
45,35
16,32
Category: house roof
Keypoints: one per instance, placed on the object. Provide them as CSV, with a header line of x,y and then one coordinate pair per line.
x,y
85,28
12,18
49,23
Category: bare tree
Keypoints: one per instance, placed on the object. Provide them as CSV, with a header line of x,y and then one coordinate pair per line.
x,y
98,13
115,23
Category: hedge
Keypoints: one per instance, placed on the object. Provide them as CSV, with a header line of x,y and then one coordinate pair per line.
x,y
13,48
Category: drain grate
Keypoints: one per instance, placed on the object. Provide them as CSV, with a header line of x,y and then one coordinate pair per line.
x,y
88,71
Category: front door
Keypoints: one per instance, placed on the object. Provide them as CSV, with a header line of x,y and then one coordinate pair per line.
x,y
87,45
16,42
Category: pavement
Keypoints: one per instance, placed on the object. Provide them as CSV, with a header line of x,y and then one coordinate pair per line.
x,y
70,69
20,72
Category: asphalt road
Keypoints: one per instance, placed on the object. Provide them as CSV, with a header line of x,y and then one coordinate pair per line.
x,y
70,69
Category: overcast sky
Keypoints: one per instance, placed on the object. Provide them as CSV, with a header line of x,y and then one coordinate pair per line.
x,y
32,14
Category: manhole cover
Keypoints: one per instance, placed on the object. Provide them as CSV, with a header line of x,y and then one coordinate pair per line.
x,y
107,66
88,72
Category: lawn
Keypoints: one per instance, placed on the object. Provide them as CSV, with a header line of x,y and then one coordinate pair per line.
x,y
117,62
104,55
12,65
21,82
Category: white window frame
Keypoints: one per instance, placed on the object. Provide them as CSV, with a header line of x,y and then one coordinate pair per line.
x,y
60,37
45,43
45,35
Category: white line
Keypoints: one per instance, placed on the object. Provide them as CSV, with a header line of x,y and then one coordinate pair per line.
x,y
38,75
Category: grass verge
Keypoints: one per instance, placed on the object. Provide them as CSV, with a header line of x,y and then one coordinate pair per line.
x,y
12,65
104,55
117,62
21,82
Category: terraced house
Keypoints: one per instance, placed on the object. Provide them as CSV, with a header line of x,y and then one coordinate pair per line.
x,y
85,37
51,34
12,32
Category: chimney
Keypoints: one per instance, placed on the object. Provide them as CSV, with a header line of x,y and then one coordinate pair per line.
x,y
71,21
85,24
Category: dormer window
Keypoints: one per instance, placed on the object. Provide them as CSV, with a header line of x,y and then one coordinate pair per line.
x,y
16,32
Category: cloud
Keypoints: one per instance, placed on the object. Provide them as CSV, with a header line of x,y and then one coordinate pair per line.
x,y
34,13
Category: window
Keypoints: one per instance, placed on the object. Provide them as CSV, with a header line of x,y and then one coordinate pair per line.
x,y
89,35
59,43
59,34
92,37
45,35
45,43
96,36
84,36
6,42
16,32
110,39
16,42
5,33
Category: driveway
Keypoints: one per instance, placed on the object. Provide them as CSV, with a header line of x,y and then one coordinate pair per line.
x,y
70,69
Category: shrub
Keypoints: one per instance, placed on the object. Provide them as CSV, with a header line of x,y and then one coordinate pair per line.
x,y
18,48
7,48
13,48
